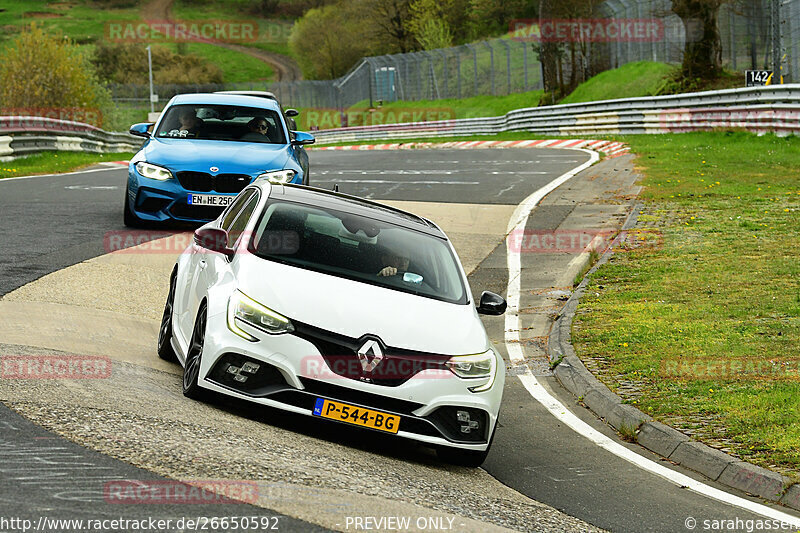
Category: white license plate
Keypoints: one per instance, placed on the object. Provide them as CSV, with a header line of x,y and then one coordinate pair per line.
x,y
218,200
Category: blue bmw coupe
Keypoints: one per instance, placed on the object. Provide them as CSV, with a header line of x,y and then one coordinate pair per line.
x,y
206,148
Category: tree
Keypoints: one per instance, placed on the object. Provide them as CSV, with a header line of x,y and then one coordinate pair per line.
x,y
429,25
127,63
388,21
48,74
329,40
702,56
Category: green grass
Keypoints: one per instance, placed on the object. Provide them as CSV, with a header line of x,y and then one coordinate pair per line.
x,y
53,162
421,110
714,279
85,23
82,21
643,78
236,66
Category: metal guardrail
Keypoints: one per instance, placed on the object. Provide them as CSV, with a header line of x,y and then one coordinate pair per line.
x,y
22,135
758,109
773,109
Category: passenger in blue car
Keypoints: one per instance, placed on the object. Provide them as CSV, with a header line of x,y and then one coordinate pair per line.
x,y
260,131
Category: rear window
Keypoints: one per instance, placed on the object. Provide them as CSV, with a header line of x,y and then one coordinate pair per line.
x,y
359,248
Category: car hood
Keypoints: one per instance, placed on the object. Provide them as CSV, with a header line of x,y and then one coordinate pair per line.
x,y
354,309
228,156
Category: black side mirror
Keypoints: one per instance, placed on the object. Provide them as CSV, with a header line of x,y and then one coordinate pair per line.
x,y
292,112
141,129
492,304
213,239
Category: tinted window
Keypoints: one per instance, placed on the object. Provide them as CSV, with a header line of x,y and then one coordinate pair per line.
x,y
241,221
235,208
222,123
359,248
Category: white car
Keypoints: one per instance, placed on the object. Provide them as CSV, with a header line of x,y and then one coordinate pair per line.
x,y
332,306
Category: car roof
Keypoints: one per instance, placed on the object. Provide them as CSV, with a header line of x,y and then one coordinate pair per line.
x,y
325,198
226,99
260,94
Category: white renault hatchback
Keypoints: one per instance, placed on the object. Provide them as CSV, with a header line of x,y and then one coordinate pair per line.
x,y
332,306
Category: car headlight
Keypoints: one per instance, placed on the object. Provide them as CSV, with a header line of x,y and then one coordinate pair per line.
x,y
252,313
278,176
151,171
476,366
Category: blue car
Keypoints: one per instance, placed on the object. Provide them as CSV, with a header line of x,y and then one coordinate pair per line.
x,y
204,150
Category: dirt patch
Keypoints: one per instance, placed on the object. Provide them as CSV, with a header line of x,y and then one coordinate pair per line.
x,y
41,15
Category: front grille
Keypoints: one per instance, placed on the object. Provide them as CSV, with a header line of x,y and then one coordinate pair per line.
x,y
195,212
204,182
231,182
339,352
195,181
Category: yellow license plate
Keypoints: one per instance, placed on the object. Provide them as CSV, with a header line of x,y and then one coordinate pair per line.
x,y
357,416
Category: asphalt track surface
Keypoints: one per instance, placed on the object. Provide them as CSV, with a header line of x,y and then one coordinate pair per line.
x,y
49,223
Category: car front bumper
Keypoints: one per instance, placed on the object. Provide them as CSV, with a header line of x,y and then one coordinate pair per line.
x,y
294,375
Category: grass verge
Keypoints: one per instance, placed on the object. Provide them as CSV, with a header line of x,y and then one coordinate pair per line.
x,y
700,327
420,110
55,162
643,78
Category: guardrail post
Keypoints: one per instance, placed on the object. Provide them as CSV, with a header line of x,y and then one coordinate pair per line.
x,y
491,64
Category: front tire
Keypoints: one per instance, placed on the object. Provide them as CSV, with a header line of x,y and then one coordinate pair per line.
x,y
191,368
469,458
165,350
128,217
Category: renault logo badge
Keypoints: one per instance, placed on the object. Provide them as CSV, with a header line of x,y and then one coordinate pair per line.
x,y
370,354
214,169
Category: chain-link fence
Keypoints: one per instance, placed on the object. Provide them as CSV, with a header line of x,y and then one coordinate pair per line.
x,y
754,34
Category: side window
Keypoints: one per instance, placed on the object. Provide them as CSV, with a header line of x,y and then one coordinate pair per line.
x,y
235,208
241,221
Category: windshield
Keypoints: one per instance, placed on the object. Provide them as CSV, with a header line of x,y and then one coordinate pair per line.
x,y
222,123
359,248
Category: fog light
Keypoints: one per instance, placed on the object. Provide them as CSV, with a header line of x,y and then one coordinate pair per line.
x,y
232,369
250,368
241,379
467,425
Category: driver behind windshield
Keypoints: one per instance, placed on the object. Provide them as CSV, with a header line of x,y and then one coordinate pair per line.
x,y
396,263
189,121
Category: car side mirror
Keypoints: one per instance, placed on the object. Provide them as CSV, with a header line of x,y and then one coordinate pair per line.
x,y
141,129
292,112
214,239
492,304
301,138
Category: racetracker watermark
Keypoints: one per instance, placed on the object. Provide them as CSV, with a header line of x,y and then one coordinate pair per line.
x,y
702,369
30,117
313,119
559,241
278,242
172,31
587,30
55,367
180,492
